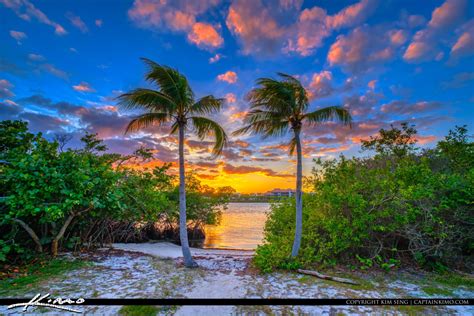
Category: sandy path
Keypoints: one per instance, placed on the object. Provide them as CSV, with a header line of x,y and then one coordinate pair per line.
x,y
146,270
224,275
222,283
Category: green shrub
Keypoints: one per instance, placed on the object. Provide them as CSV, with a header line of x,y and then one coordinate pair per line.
x,y
401,205
53,198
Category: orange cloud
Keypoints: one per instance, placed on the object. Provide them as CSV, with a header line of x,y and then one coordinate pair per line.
x,y
204,34
110,108
177,16
464,45
179,20
348,49
369,126
351,15
398,37
238,115
240,143
362,48
231,169
447,14
311,30
230,98
207,176
424,46
314,25
425,139
320,85
416,50
371,84
283,147
229,77
255,26
83,87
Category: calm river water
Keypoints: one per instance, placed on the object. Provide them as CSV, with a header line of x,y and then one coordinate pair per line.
x,y
240,227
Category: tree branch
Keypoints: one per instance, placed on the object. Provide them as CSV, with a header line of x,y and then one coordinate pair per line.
x,y
326,277
31,232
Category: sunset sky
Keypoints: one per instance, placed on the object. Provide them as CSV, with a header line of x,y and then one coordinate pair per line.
x,y
62,63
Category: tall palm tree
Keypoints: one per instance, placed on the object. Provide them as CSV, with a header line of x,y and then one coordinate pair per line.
x,y
277,106
174,103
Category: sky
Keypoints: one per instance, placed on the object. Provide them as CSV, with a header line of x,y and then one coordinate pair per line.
x,y
63,63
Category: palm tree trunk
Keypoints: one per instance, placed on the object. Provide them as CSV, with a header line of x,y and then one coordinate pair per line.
x,y
183,231
298,196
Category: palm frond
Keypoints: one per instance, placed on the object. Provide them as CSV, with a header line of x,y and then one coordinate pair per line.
x,y
272,94
174,127
265,127
274,104
292,146
148,99
301,96
207,105
258,115
205,127
171,82
288,77
329,113
146,120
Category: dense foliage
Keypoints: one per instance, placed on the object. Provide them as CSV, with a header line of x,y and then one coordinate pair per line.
x,y
402,205
52,197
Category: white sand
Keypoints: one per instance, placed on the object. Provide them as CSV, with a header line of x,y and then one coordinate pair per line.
x,y
129,273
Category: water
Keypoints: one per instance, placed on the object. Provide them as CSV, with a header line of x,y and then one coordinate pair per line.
x,y
240,227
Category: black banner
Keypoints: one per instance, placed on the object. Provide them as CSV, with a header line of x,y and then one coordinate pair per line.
x,y
252,301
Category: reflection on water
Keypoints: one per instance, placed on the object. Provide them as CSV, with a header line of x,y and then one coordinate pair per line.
x,y
240,227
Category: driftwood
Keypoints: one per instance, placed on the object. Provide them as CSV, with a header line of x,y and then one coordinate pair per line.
x,y
326,277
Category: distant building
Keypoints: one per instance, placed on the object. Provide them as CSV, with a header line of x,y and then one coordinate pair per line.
x,y
281,193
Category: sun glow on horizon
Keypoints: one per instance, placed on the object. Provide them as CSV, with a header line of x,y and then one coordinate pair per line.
x,y
245,183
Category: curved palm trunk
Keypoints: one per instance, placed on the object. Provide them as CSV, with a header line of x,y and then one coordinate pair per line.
x,y
298,196
183,231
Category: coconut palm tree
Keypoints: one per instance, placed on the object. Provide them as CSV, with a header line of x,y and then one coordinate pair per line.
x,y
277,106
174,103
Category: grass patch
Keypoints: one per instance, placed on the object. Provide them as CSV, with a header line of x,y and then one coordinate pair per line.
x,y
434,290
39,271
139,310
455,280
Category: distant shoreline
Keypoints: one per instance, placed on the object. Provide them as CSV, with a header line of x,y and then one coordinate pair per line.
x,y
249,201
260,200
